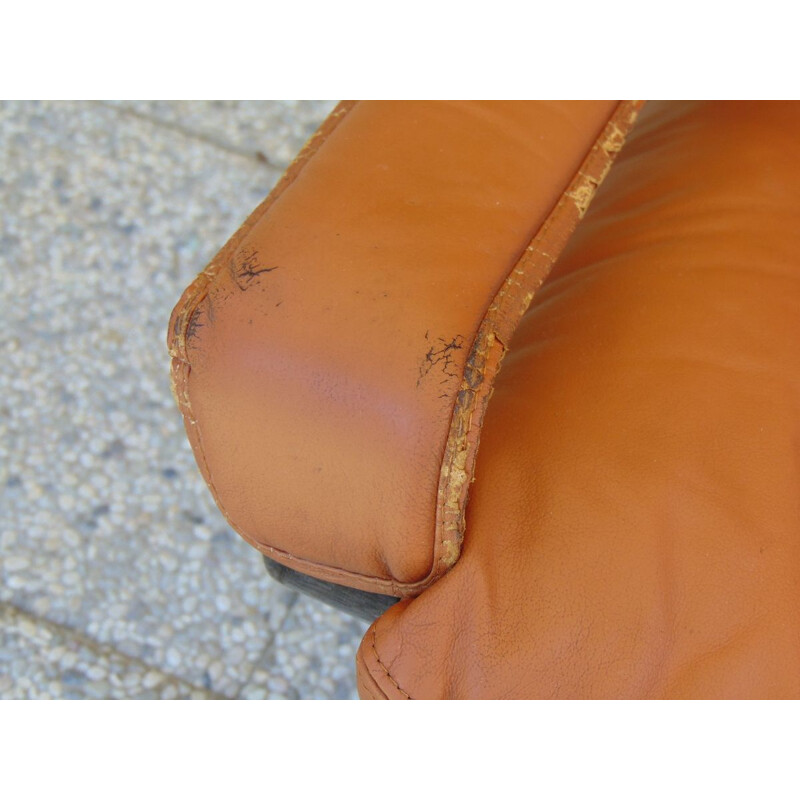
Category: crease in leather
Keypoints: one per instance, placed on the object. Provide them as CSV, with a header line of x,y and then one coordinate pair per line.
x,y
486,352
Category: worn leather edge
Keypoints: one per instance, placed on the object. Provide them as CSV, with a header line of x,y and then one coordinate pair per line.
x,y
496,329
198,289
486,351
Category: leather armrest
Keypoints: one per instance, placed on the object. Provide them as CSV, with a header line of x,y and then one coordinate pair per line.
x,y
334,361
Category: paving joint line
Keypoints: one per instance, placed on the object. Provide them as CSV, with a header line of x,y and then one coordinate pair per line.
x,y
243,152
103,649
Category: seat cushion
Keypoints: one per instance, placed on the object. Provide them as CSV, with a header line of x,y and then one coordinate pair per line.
x,y
633,530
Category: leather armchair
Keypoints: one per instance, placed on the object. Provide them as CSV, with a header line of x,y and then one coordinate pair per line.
x,y
431,277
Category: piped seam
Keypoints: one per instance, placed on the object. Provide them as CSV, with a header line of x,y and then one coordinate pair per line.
x,y
396,685
459,460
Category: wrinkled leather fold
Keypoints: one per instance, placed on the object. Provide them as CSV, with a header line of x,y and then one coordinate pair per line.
x,y
334,361
633,529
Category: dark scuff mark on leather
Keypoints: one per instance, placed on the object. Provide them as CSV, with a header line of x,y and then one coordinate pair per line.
x,y
473,374
196,321
245,267
441,354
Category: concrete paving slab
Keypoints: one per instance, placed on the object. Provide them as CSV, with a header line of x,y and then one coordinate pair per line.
x,y
107,527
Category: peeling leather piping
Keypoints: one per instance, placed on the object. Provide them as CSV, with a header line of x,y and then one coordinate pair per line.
x,y
499,323
483,362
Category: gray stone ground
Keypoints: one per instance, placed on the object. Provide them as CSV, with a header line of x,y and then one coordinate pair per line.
x,y
118,575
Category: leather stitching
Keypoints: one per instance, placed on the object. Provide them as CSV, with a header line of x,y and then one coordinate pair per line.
x,y
396,685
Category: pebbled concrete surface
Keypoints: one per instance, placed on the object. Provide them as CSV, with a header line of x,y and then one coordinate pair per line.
x,y
118,575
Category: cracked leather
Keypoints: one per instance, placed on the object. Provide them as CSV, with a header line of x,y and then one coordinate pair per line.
x,y
334,361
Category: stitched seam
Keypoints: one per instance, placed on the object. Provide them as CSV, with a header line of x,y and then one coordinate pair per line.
x,y
283,555
385,669
367,683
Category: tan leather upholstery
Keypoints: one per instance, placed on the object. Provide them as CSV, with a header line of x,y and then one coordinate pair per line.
x,y
634,526
634,523
334,360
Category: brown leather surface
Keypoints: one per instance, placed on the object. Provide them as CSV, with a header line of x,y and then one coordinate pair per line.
x,y
334,360
634,526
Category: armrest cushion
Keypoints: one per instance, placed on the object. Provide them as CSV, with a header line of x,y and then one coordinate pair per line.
x,y
334,361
